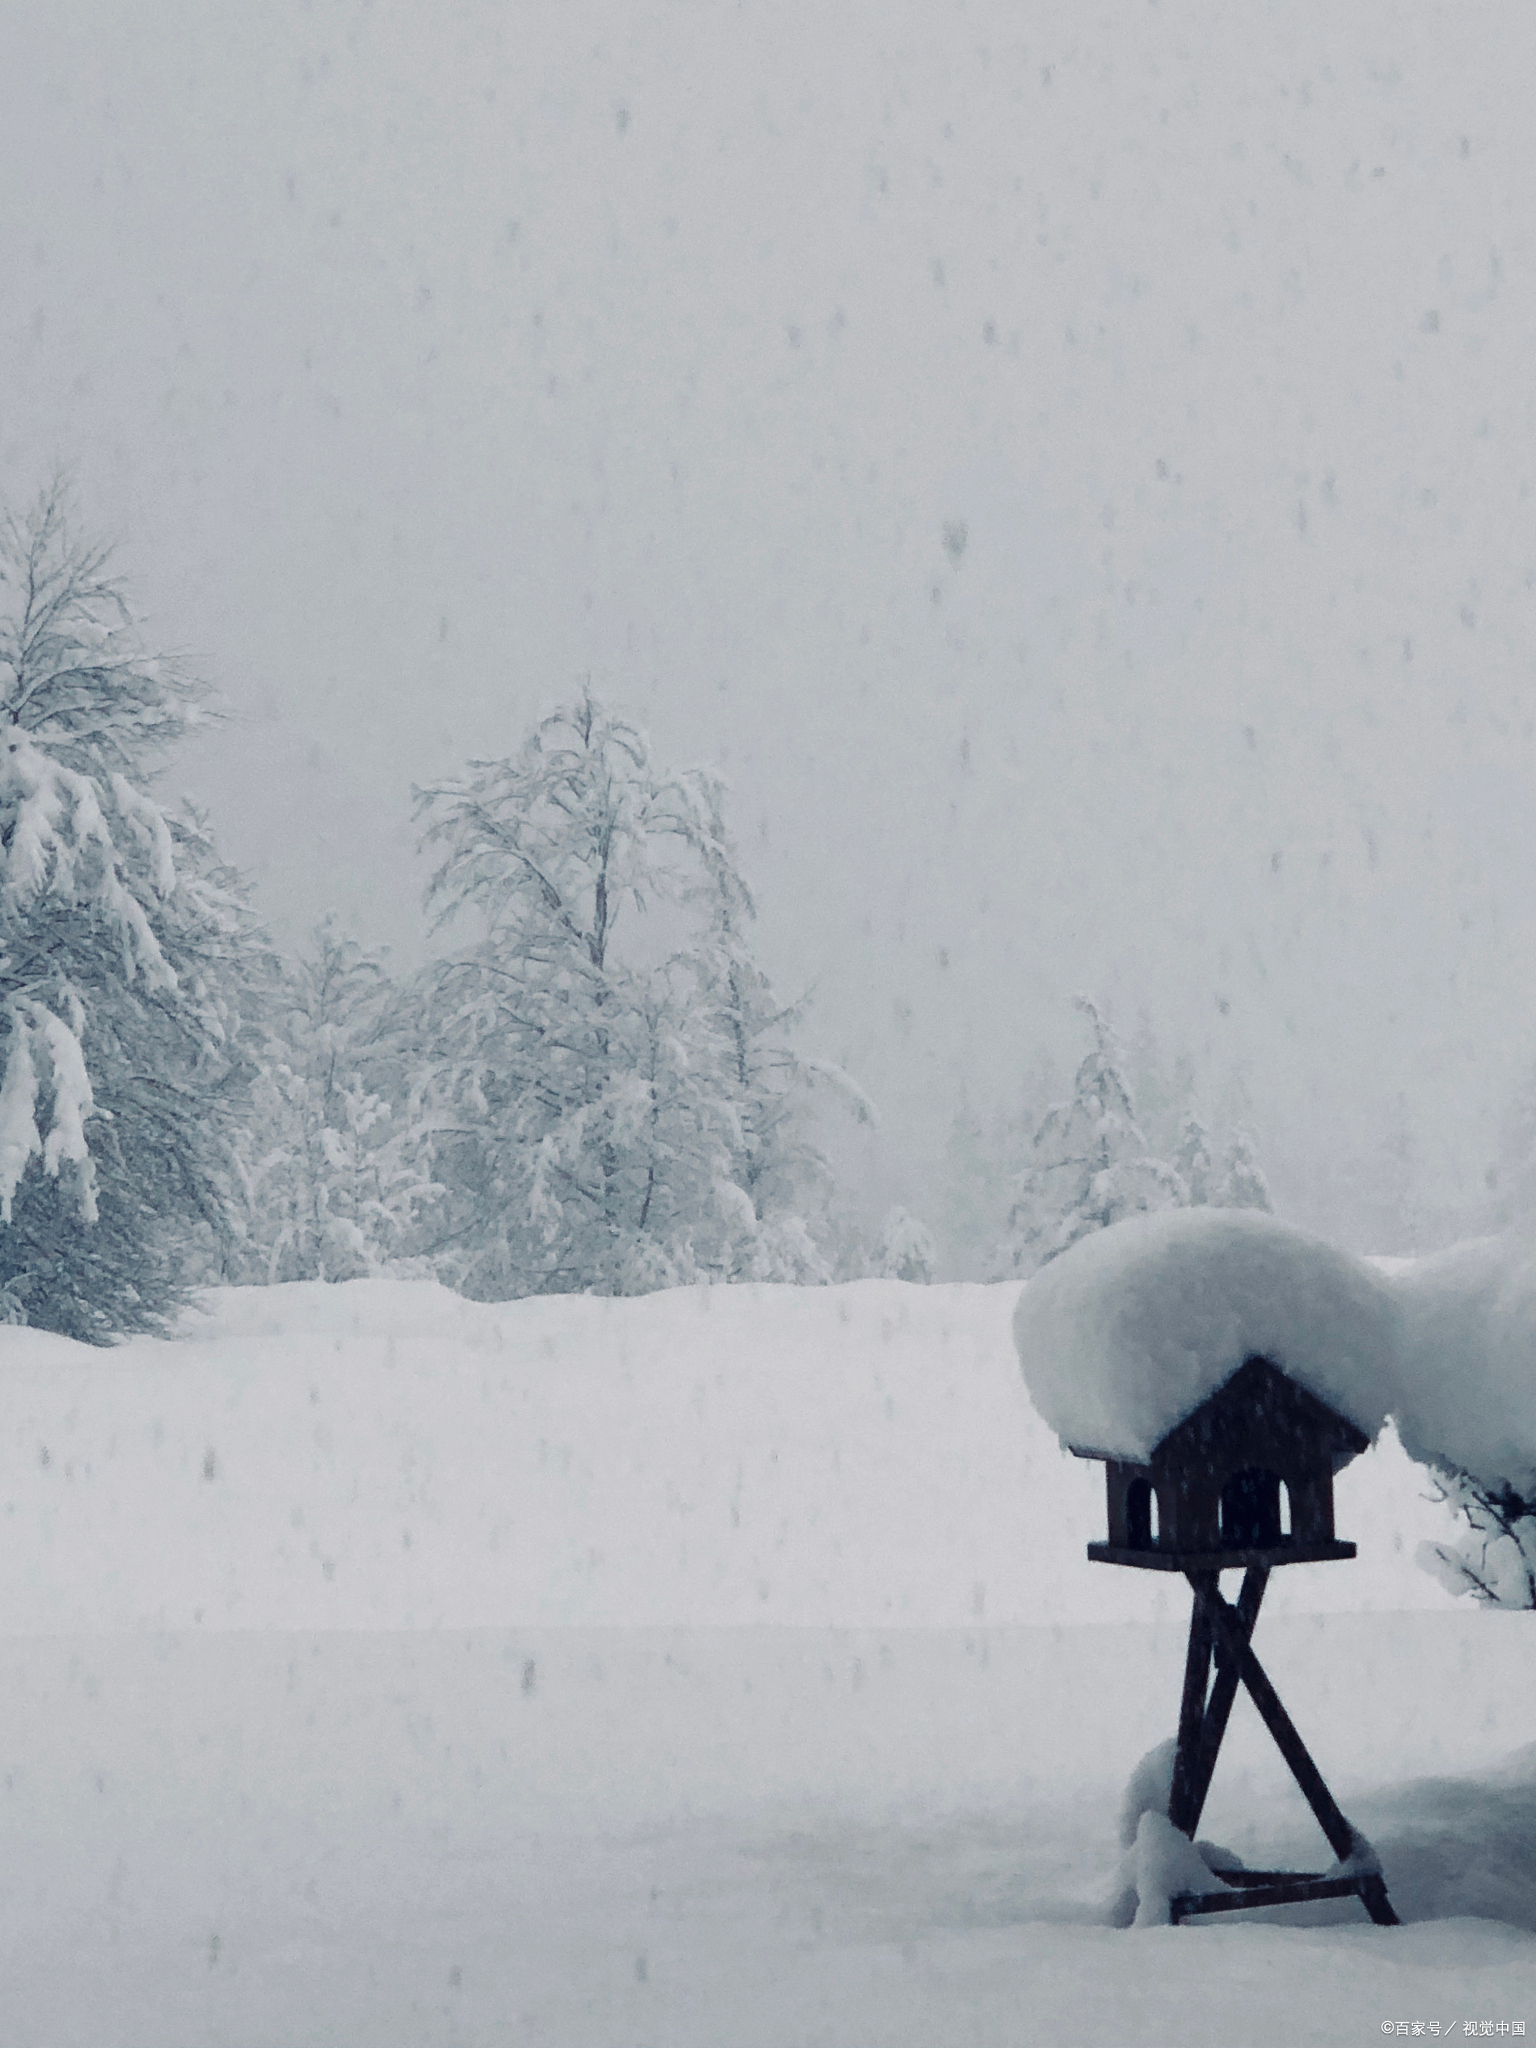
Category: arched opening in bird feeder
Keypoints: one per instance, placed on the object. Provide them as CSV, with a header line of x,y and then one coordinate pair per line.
x,y
1250,1510
1141,1515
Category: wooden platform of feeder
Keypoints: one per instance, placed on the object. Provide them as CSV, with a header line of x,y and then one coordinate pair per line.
x,y
1154,1560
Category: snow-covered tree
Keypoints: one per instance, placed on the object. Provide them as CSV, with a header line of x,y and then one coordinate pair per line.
x,y
1242,1184
981,1167
334,1188
1495,1561
1510,1180
905,1249
974,1203
125,951
1192,1159
612,1101
1089,1164
760,1087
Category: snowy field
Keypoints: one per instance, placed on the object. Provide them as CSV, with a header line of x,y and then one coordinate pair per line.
x,y
710,1668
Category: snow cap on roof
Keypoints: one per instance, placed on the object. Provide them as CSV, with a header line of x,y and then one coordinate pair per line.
x,y
1132,1329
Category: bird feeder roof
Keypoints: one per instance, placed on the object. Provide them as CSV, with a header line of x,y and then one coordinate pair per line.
x,y
1128,1333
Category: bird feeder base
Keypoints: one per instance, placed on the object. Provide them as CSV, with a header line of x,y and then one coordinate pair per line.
x,y
1221,1632
1255,1888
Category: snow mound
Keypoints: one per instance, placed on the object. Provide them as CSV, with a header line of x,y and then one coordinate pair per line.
x,y
1134,1327
310,1309
1466,1367
1163,1864
1148,1790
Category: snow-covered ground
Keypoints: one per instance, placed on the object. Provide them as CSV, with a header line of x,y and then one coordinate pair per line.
x,y
386,1455
715,1667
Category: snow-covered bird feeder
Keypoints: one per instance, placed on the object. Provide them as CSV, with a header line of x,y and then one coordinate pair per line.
x,y
1224,1367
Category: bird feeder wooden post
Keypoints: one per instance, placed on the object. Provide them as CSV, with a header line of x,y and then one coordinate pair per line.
x,y
1245,1483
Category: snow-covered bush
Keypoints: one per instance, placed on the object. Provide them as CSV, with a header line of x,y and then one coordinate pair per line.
x,y
611,1100
334,1188
1466,1406
1496,1560
124,950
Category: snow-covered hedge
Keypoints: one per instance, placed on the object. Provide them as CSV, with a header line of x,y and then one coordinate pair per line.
x,y
1466,1366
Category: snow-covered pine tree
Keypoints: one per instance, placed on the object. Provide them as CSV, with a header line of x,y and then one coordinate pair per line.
x,y
1511,1179
1242,1184
971,1205
1089,1166
980,1168
981,1172
1147,1076
611,1101
334,1190
905,1250
125,953
1192,1159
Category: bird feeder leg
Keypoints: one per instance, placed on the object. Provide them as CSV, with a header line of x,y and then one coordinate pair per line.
x,y
1223,1693
1183,1805
1225,1627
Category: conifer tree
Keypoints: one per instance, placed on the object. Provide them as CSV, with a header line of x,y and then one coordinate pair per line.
x,y
1511,1178
975,1198
905,1249
1243,1184
1089,1164
1192,1159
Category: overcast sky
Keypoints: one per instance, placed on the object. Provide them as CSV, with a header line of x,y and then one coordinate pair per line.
x,y
1070,469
